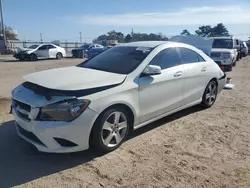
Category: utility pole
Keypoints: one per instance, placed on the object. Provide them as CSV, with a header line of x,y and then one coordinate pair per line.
x,y
3,28
80,33
132,34
41,37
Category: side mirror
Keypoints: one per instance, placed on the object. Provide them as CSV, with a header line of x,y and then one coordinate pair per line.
x,y
152,70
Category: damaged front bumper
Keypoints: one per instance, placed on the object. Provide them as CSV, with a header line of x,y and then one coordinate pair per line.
x,y
49,136
21,56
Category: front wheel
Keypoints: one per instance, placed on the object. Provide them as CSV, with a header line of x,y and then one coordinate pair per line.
x,y
33,57
210,94
110,130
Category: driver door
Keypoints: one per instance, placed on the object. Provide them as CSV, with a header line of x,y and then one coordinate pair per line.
x,y
43,51
159,94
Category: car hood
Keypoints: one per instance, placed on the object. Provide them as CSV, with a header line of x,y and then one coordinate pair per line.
x,y
74,78
222,50
201,43
18,50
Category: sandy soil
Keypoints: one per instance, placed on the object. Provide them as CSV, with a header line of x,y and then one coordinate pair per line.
x,y
192,148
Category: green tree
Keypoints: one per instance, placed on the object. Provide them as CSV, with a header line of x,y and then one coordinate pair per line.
x,y
102,37
204,31
128,38
185,32
10,34
219,30
208,31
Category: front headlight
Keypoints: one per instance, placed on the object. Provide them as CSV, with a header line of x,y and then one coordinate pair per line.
x,y
63,111
225,55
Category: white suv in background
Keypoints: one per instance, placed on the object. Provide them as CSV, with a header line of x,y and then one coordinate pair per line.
x,y
225,52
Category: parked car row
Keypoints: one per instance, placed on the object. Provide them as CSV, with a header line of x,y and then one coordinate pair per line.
x,y
42,51
226,51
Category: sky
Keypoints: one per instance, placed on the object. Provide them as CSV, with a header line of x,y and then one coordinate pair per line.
x,y
63,19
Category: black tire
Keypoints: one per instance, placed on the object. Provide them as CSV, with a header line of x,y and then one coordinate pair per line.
x,y
234,64
211,89
97,133
59,55
33,57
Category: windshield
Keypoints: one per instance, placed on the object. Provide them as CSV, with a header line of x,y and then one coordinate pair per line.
x,y
223,43
120,59
248,44
33,46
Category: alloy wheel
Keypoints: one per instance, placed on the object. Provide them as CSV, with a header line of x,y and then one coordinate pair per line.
x,y
211,93
114,129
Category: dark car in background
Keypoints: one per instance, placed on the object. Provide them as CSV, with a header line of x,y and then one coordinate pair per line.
x,y
92,52
248,45
78,52
90,49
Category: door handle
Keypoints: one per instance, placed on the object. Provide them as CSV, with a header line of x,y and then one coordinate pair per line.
x,y
204,69
177,74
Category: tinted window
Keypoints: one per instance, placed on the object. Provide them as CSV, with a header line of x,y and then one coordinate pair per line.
x,y
190,56
120,59
166,58
44,47
33,46
51,47
223,43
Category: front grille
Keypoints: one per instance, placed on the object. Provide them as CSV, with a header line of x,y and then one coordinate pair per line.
x,y
29,135
215,54
21,109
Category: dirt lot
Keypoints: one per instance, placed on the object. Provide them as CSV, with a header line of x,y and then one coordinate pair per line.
x,y
192,148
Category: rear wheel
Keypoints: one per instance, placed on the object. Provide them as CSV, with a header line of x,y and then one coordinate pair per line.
x,y
110,130
210,94
59,55
33,57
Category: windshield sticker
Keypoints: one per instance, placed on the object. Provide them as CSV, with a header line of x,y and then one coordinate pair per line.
x,y
143,49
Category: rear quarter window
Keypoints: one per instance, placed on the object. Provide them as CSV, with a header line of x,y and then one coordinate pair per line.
x,y
190,56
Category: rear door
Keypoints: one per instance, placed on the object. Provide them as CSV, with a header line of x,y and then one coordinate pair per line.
x,y
52,51
196,75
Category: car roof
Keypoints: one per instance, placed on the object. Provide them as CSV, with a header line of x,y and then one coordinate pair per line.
x,y
149,44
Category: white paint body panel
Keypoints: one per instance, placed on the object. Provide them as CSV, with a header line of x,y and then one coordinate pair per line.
x,y
149,98
49,53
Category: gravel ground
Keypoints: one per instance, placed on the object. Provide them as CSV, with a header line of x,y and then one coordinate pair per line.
x,y
192,148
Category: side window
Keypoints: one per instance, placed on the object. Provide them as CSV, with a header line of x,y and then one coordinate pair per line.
x,y
200,58
166,58
51,47
44,47
237,42
190,56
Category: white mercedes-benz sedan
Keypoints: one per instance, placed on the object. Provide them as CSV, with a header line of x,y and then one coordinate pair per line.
x,y
98,102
